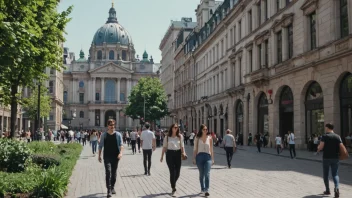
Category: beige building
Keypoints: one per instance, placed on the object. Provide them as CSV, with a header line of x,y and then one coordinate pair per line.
x,y
97,89
267,66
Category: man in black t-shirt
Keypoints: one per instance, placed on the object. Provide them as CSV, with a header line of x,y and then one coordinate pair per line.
x,y
258,141
330,144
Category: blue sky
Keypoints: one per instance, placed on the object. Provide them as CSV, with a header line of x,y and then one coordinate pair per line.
x,y
146,21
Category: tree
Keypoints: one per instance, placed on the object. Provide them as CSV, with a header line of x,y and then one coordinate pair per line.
x,y
30,39
30,104
151,92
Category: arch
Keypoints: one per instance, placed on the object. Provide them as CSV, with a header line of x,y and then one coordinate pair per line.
x,y
222,124
99,55
110,92
314,111
345,94
263,114
81,114
111,55
239,119
286,113
110,114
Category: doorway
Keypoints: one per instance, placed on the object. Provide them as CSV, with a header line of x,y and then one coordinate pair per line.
x,y
346,106
286,111
263,117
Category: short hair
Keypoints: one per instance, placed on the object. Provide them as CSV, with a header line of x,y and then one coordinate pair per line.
x,y
329,126
110,121
147,125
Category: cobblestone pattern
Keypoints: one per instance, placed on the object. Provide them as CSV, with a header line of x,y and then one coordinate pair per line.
x,y
253,175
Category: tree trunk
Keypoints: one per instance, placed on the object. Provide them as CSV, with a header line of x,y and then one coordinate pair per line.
x,y
13,110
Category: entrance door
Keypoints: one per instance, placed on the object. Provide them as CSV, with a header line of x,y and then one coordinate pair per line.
x,y
263,117
286,111
346,105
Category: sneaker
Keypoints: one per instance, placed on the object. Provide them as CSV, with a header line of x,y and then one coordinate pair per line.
x,y
113,191
207,194
326,193
109,193
145,173
337,193
202,193
173,192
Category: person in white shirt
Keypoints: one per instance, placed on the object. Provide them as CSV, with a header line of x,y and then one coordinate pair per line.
x,y
191,138
133,136
173,146
291,142
229,146
148,144
278,144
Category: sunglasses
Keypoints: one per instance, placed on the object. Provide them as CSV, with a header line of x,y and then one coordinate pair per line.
x,y
175,127
111,124
205,129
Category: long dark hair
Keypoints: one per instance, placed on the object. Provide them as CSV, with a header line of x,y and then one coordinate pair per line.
x,y
177,132
200,132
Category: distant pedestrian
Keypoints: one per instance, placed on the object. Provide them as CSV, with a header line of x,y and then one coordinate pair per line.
x,y
134,135
148,144
139,142
111,141
331,145
229,146
250,139
203,156
191,138
292,144
84,138
257,140
128,139
173,146
94,141
278,144
28,136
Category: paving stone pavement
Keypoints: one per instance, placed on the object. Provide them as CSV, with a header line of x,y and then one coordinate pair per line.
x,y
253,175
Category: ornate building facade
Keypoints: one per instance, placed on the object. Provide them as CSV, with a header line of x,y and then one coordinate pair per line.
x,y
97,89
267,66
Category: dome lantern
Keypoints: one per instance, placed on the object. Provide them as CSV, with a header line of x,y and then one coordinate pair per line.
x,y
112,15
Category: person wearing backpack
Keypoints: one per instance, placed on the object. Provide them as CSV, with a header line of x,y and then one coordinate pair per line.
x,y
111,141
292,144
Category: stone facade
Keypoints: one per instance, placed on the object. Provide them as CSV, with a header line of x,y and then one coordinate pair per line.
x,y
269,67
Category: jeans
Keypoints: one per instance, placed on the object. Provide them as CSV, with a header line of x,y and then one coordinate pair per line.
x,y
110,171
133,143
84,141
173,160
279,149
293,149
139,144
334,164
204,164
147,156
258,146
229,154
94,146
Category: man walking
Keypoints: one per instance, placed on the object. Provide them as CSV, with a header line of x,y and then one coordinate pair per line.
x,y
113,148
148,146
133,141
292,144
330,144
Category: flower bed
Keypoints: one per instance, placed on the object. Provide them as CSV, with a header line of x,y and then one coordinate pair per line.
x,y
44,169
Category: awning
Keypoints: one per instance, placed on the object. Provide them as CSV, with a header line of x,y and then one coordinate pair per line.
x,y
63,126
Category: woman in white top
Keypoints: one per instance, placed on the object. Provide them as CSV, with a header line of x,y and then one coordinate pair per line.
x,y
229,146
94,140
173,145
203,156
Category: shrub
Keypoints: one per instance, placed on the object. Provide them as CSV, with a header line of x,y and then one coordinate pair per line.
x,y
42,147
13,155
46,160
53,183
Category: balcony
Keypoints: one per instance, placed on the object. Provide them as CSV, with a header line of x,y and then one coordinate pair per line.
x,y
110,102
260,77
238,90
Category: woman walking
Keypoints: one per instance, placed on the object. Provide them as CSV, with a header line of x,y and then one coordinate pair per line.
x,y
230,146
94,141
203,156
173,146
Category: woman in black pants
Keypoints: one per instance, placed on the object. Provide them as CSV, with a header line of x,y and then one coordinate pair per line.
x,y
173,145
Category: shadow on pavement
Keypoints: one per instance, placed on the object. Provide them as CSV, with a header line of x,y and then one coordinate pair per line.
x,y
316,196
133,176
154,195
93,195
194,195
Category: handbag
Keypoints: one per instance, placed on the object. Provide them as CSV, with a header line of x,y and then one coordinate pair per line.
x,y
343,152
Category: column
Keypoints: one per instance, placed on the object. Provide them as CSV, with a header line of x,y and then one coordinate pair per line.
x,y
102,89
284,44
128,88
102,118
255,61
262,54
91,118
74,92
89,97
93,89
118,89
117,118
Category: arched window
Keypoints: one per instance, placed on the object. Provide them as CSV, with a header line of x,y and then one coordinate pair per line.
x,y
99,55
81,114
263,117
346,105
111,55
110,92
314,110
286,111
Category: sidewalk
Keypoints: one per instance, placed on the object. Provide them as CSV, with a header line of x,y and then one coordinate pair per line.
x,y
300,154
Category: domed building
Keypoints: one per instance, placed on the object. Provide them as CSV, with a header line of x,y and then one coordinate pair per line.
x,y
97,88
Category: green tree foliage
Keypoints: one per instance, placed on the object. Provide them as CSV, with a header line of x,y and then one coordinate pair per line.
x,y
153,92
30,104
30,41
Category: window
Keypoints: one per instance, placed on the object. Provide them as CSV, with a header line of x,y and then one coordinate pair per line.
x,y
239,30
290,41
97,117
240,73
122,97
51,117
97,96
222,48
266,45
266,10
279,47
250,21
231,38
288,2
259,13
99,55
65,96
51,86
277,5
234,35
250,61
81,114
344,18
124,55
111,55
260,50
81,98
52,71
81,84
313,33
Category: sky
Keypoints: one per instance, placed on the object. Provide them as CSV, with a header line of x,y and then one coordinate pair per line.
x,y
146,20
